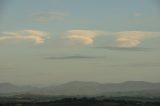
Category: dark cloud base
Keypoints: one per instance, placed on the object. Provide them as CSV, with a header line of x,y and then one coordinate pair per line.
x,y
124,48
72,57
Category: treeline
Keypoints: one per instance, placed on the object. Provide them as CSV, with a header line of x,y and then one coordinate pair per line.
x,y
84,102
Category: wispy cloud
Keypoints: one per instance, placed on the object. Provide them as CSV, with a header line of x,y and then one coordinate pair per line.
x,y
137,14
5,67
144,64
124,48
47,16
36,36
133,38
72,57
133,64
123,39
82,36
129,40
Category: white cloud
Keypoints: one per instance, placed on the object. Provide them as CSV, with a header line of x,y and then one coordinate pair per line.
x,y
82,36
124,39
47,16
36,36
133,38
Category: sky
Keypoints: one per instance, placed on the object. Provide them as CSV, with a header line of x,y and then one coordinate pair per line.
x,y
57,41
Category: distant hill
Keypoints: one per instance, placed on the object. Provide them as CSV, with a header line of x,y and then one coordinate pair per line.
x,y
94,88
80,88
8,88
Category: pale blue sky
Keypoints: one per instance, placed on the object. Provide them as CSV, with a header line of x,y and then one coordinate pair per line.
x,y
56,41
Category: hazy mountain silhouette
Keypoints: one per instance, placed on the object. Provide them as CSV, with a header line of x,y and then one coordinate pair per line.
x,y
8,88
80,88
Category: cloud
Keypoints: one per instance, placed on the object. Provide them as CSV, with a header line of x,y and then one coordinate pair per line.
x,y
135,64
72,57
82,36
5,67
47,16
133,38
36,36
124,48
137,14
123,39
144,64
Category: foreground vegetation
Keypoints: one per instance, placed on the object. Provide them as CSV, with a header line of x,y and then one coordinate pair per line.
x,y
121,101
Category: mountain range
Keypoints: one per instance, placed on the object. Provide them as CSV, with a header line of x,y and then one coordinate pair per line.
x,y
82,88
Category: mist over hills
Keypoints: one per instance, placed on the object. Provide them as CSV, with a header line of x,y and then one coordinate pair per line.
x,y
81,88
